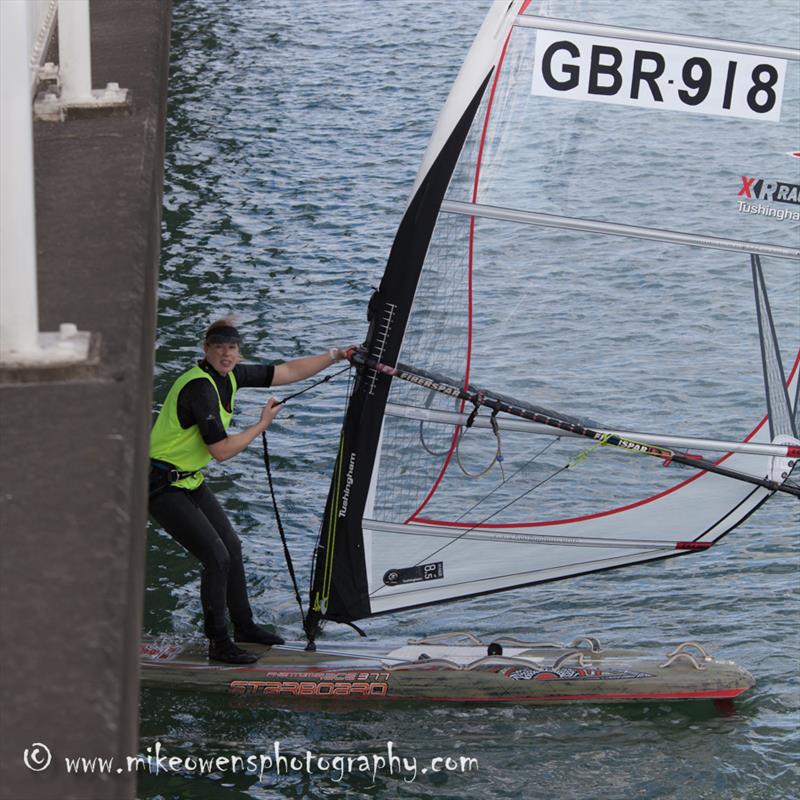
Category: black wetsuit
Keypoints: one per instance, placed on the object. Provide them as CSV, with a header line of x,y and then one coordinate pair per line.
x,y
195,519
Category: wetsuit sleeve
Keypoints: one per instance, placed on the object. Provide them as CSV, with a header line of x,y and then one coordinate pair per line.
x,y
254,375
198,404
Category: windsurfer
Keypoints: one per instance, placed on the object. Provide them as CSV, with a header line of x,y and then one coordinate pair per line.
x,y
190,430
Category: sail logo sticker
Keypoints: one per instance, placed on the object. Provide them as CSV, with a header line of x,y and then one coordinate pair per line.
x,y
348,485
760,191
429,383
776,191
649,75
420,572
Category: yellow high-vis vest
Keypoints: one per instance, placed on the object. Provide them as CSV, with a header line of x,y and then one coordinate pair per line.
x,y
184,448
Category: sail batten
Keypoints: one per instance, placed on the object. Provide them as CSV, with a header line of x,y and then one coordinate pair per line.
x,y
423,414
656,37
616,229
508,535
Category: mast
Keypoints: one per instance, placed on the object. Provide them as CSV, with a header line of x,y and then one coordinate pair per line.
x,y
339,551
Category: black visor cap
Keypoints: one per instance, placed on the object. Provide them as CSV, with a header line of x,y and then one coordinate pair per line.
x,y
224,335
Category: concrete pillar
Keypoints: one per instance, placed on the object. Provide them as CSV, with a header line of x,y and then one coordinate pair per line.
x,y
19,313
75,51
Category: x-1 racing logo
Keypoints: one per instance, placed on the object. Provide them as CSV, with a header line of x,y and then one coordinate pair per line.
x,y
771,191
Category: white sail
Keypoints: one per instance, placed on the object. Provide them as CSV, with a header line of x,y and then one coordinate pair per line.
x,y
548,187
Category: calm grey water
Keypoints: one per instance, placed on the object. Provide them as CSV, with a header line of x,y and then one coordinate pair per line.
x,y
295,131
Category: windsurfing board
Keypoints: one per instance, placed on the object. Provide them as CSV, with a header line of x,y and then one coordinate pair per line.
x,y
449,672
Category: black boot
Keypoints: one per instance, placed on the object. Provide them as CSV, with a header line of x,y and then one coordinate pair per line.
x,y
226,651
256,635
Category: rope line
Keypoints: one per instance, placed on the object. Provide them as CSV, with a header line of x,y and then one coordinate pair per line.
x,y
279,522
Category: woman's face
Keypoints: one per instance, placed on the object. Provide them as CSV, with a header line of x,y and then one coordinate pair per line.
x,y
222,357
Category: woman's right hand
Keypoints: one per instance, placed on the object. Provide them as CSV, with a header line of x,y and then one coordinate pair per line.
x,y
270,411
